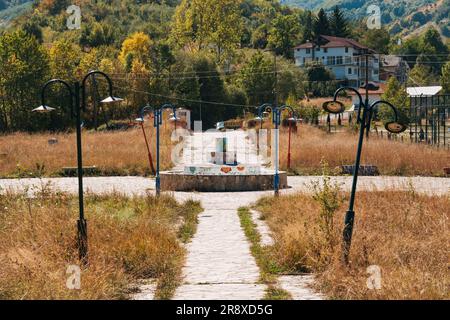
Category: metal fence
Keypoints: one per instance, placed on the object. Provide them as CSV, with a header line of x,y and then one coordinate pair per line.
x,y
430,120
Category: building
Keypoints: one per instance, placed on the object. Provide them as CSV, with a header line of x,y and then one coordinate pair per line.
x,y
423,91
393,66
374,95
345,58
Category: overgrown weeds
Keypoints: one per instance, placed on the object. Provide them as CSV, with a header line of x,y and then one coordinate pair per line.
x,y
404,233
129,239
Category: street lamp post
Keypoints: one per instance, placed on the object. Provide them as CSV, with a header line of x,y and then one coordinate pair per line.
x,y
157,121
276,119
291,119
78,104
141,121
336,107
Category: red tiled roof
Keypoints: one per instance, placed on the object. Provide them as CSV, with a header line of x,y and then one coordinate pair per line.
x,y
306,45
335,42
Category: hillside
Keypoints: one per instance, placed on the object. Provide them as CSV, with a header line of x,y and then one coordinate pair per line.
x,y
9,10
402,17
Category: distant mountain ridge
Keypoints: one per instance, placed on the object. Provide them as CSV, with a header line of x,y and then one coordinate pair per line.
x,y
401,17
6,4
10,9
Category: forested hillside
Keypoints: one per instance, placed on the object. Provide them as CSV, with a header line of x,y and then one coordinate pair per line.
x,y
216,57
399,16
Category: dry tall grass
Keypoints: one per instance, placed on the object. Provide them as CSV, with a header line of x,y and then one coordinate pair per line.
x,y
114,153
124,153
309,145
404,233
129,239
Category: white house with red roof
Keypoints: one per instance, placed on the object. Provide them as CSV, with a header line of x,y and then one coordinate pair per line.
x,y
345,58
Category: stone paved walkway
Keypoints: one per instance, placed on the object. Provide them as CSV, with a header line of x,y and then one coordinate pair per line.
x,y
219,264
140,185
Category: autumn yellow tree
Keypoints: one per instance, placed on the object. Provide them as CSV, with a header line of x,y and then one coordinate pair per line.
x,y
64,59
213,24
135,47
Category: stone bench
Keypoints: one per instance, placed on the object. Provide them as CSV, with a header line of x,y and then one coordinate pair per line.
x,y
73,171
364,170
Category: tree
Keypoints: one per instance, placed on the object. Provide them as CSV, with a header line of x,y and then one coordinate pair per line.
x,y
24,69
213,24
308,27
396,94
445,78
338,23
257,78
320,80
433,51
64,59
422,75
284,34
377,39
290,80
138,46
260,37
321,25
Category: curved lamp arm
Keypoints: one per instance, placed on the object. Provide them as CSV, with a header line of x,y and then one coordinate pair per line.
x,y
375,104
158,113
144,109
53,81
263,108
83,93
361,101
279,110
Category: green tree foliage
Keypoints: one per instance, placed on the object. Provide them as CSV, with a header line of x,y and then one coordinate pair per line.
x,y
24,68
428,49
338,23
396,94
321,24
377,39
284,34
308,25
213,24
422,75
445,78
257,78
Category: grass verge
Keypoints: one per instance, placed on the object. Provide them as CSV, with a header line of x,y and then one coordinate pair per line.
x,y
264,259
129,239
405,234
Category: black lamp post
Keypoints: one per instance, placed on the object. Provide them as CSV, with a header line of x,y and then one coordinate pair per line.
x,y
337,107
141,120
276,119
158,119
78,104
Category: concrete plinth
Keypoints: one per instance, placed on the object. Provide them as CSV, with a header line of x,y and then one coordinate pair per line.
x,y
181,181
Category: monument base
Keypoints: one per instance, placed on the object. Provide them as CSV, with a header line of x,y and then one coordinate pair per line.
x,y
181,181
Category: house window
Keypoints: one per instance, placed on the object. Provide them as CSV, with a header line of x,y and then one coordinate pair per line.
x,y
349,70
325,50
339,60
308,51
318,49
331,60
348,60
346,49
304,60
